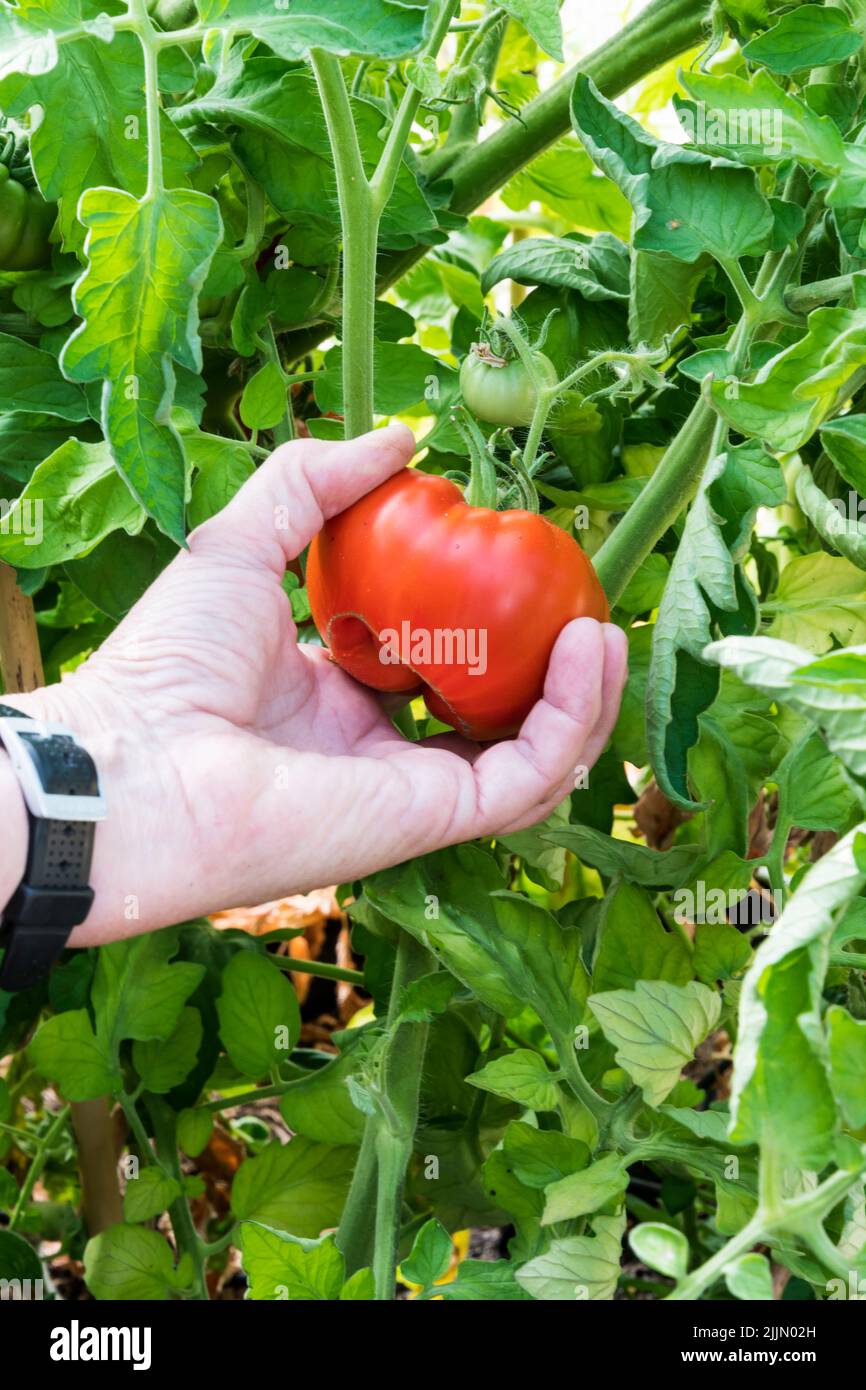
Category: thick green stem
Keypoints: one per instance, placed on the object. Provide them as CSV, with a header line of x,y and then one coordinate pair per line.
x,y
668,491
360,223
395,1130
357,1230
370,1225
661,31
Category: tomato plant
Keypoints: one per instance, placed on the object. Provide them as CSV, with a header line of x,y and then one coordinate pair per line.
x,y
618,290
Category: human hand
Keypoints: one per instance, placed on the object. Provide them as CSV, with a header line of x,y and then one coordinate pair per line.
x,y
239,766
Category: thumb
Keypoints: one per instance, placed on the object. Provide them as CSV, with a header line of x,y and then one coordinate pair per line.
x,y
288,499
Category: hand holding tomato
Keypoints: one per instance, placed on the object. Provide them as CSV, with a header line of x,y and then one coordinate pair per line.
x,y
239,766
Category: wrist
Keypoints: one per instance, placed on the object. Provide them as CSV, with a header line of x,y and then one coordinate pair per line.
x,y
13,851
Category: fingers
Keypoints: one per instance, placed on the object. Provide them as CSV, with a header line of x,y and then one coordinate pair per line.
x,y
518,782
279,510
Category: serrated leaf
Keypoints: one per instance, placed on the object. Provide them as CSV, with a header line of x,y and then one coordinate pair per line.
x,y
685,203
163,1064
133,1264
283,1267
259,1016
655,1029
577,1267
521,1076
148,1194
586,1191
147,260
298,1187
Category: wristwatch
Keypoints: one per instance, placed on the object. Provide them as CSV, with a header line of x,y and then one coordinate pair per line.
x,y
64,801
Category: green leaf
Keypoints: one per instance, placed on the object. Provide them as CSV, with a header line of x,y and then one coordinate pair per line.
x,y
816,689
429,995
720,952
258,1013
564,180
540,1157
650,868
520,1076
263,403
750,1278
661,1247
283,1267
795,391
370,28
430,1255
846,1041
30,380
361,1288
73,500
163,1064
18,1259
655,1028
320,1106
88,82
67,1050
844,534
148,1194
137,993
633,945
814,792
483,1281
598,269
510,951
757,121
133,1264
221,469
685,204
194,1129
705,591
541,19
780,1032
845,442
586,1191
279,132
298,1187
577,1267
810,36
144,260
819,598
662,290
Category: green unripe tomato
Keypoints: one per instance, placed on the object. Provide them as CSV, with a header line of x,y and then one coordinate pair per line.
x,y
501,393
25,224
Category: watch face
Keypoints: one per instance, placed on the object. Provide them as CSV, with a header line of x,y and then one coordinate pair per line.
x,y
64,768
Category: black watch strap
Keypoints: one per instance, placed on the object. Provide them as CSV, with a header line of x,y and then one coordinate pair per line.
x,y
61,788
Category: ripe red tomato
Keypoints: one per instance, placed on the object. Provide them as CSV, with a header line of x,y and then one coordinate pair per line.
x,y
411,579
